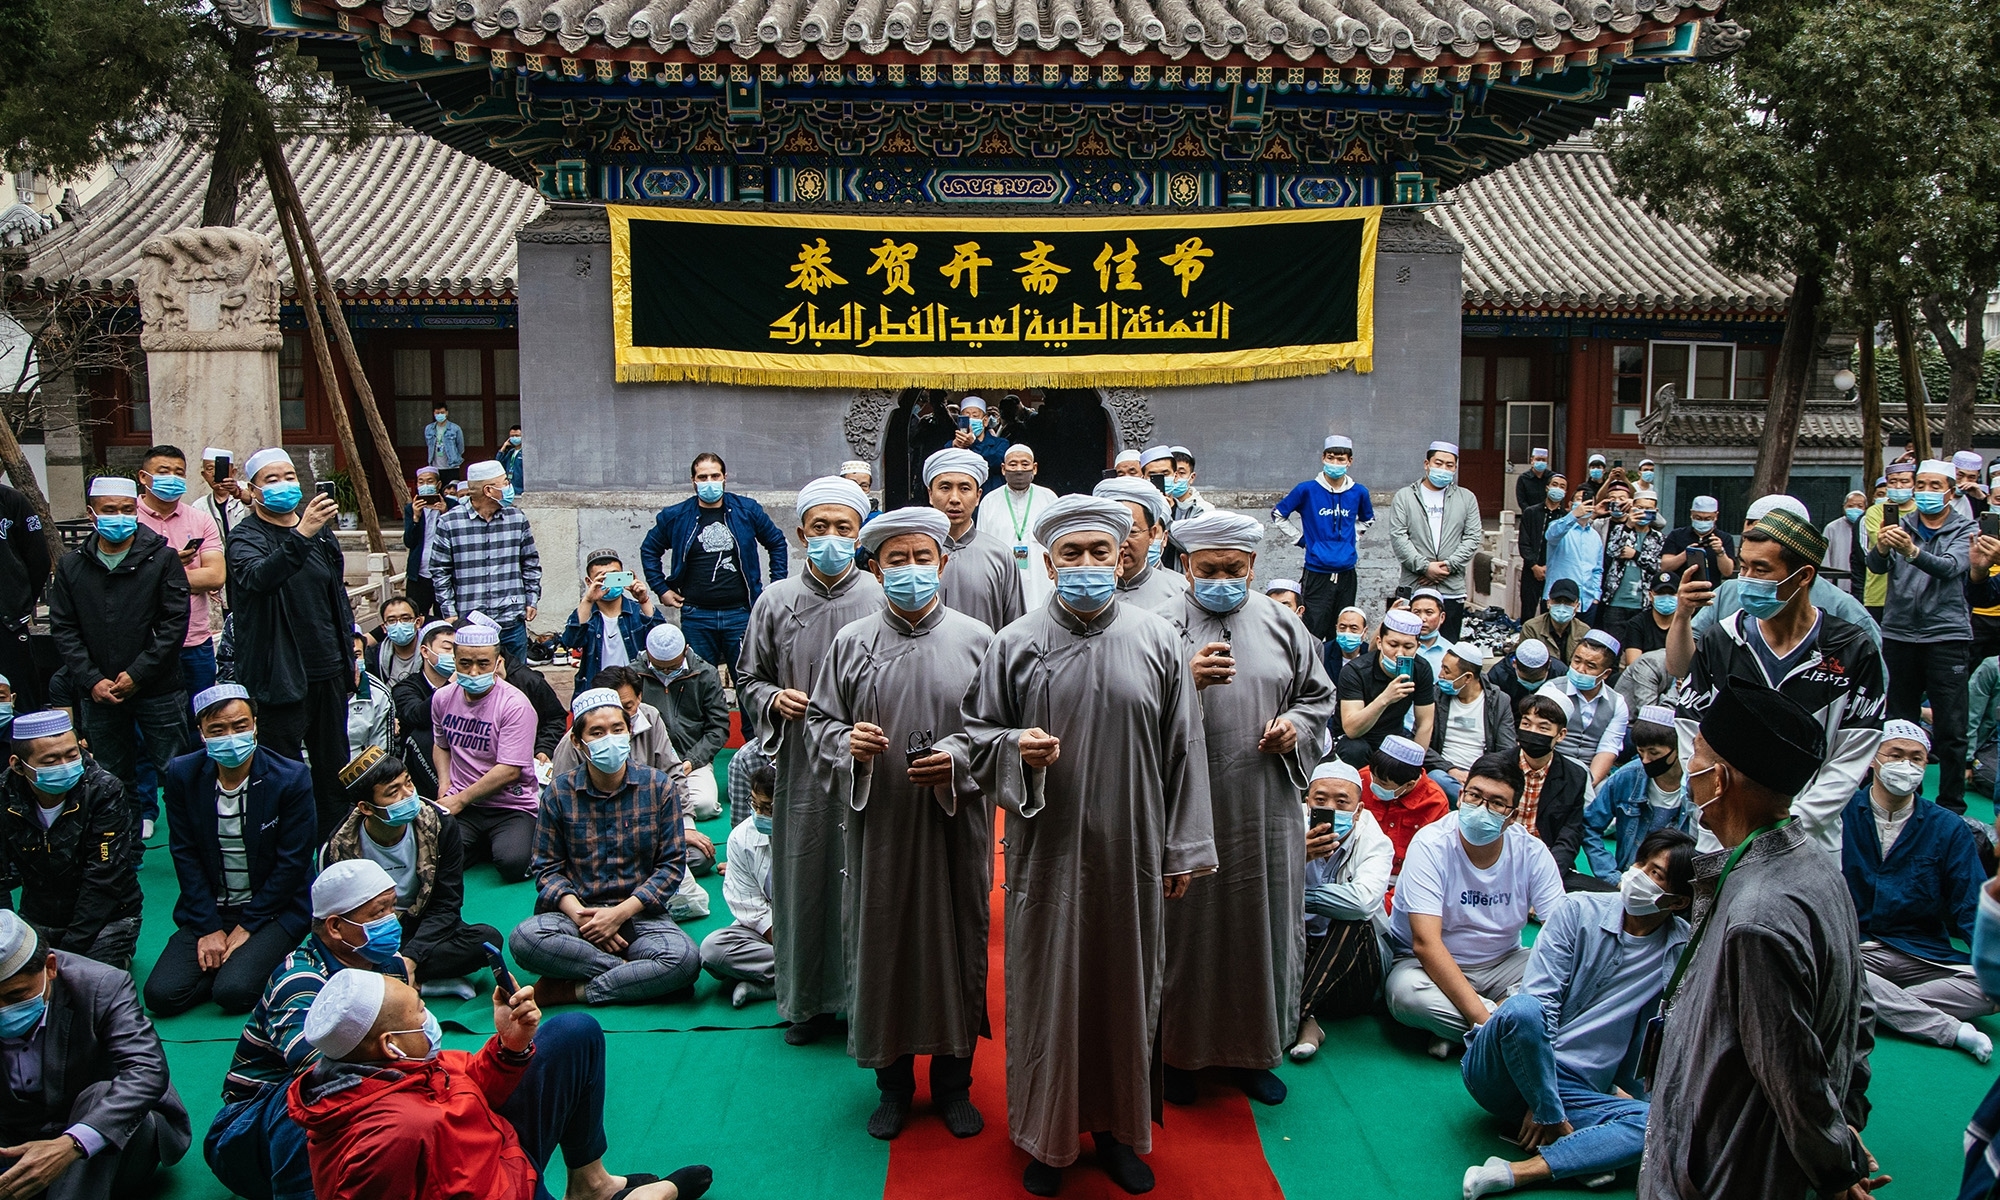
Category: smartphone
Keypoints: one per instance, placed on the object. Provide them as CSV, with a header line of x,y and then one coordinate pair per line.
x,y
221,467
1698,559
1989,524
1321,816
918,745
1403,664
325,488
192,543
964,422
617,579
501,975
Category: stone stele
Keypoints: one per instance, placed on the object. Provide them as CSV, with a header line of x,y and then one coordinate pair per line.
x,y
208,302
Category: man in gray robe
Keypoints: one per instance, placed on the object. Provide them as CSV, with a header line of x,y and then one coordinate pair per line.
x,y
981,580
791,626
1762,1071
889,739
1142,581
1084,723
1236,945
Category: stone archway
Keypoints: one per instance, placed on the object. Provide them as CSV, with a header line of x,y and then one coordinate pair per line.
x,y
872,433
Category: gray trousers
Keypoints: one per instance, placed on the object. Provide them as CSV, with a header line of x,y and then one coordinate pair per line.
x,y
1922,1000
736,954
1417,1002
659,958
113,1173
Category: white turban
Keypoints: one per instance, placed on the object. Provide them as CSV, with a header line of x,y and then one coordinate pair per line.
x,y
917,518
344,1011
832,489
1402,620
951,459
347,885
1156,453
1080,513
1764,506
1127,456
1336,769
971,402
1219,529
1908,731
480,472
114,485
264,458
1134,491
665,642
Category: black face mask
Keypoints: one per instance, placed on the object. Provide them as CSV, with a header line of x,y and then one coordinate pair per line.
x,y
1535,745
1660,766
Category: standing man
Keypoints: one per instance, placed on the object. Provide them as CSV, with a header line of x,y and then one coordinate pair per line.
x,y
509,457
1573,549
1264,698
1434,528
1534,539
1010,513
889,746
118,610
1086,726
1528,485
713,537
1699,540
1180,488
444,443
1927,621
194,537
1334,511
1754,1082
982,581
1845,551
483,559
288,595
420,521
790,636
1142,581
1899,500
24,572
979,434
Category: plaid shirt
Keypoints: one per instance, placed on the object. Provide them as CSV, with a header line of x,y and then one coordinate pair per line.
x,y
741,767
1531,793
273,1047
483,565
602,848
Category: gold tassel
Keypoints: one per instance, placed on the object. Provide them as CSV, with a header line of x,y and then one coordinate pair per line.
x,y
955,381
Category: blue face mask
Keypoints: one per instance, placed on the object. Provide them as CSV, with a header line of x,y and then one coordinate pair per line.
x,y
168,487
1702,526
281,497
1759,597
1556,494
710,491
1480,825
446,665
614,584
1440,478
1221,595
6,710
831,555
1562,614
506,493
1928,503
18,1020
1334,470
402,812
514,440
761,823
610,752
441,418
56,780
427,489
1901,496
975,427
1986,944
1447,687
1343,823
385,939
1176,487
231,749
1086,589
1348,642
1384,794
1596,473
1153,550
476,685
402,633
433,1036
1666,605
1392,665
1582,681
910,588
1854,514
1539,466
1645,477
116,527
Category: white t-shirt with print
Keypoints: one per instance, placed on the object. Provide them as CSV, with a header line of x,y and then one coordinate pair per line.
x,y
1483,911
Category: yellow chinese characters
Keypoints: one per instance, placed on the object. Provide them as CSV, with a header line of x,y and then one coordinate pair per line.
x,y
1126,264
966,260
894,262
814,270
1039,275
1186,261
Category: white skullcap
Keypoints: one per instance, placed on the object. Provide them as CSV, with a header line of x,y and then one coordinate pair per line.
x,y
1909,731
1596,458
47,723
480,618
1127,456
1646,493
1182,451
832,489
1647,462
5,682
1403,621
953,459
426,469
1539,452
1335,768
1427,593
1402,749
1219,529
1657,714
972,402
1704,504
665,642
594,698
215,452
480,472
1014,448
1282,584
347,885
264,458
344,1011
1968,460
1605,640
1078,514
1156,453
1471,653
855,466
1936,466
17,944
430,627
1901,466
1135,491
114,485
210,696
1352,608
1447,447
917,518
1764,506
475,634
1562,701
1532,653
1337,442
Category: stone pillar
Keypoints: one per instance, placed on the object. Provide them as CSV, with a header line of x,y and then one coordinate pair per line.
x,y
208,300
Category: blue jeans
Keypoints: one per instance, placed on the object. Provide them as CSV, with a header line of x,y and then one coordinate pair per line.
x,y
1444,780
560,1099
514,642
155,727
197,671
716,634
1510,1069
257,1151
659,957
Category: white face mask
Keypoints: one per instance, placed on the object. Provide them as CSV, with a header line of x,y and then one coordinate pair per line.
x,y
1900,778
1640,892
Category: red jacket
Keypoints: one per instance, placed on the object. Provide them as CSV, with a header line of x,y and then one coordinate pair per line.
x,y
421,1131
1402,817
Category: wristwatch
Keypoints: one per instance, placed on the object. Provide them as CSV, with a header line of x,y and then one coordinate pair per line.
x,y
81,1151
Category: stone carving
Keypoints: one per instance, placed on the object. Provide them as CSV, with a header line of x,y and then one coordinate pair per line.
x,y
866,416
567,227
213,288
1410,232
1133,413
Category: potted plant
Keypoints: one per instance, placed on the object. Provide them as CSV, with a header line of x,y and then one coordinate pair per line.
x,y
344,496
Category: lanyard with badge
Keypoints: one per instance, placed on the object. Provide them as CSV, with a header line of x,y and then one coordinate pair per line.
x,y
1649,1050
1020,525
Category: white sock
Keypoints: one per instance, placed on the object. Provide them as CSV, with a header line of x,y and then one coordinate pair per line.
x,y
1440,1048
1973,1042
1495,1175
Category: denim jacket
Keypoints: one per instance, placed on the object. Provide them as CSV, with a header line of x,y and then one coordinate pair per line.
x,y
586,638
1576,957
675,530
1623,799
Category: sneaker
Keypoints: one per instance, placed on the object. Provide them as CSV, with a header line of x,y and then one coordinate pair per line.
x,y
460,988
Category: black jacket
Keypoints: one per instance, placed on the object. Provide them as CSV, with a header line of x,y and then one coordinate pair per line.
x,y
1559,813
280,821
1504,677
1533,540
82,872
24,556
695,709
288,608
412,697
1498,707
130,620
551,715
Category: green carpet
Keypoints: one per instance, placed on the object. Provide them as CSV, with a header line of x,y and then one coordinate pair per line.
x,y
1371,1116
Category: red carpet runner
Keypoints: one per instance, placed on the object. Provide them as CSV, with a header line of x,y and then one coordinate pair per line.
x,y
1213,1142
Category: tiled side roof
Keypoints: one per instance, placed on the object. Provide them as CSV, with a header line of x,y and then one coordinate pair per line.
x,y
403,215
1820,427
1550,233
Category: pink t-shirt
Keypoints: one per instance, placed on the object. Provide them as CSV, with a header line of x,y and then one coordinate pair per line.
x,y
186,524
499,727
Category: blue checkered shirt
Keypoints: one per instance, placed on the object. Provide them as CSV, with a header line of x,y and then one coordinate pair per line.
x,y
483,565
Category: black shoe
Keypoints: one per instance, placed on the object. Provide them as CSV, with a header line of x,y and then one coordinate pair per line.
x,y
1182,1087
692,1181
812,1029
1041,1179
1262,1086
959,1114
1119,1161
887,1119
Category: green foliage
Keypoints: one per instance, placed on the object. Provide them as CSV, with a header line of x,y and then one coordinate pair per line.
x,y
1937,378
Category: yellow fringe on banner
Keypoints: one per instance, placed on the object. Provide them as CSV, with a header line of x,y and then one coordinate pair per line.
x,y
1183,377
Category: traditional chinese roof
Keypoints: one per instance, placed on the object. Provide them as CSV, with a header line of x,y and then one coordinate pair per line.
x,y
1549,235
1821,426
401,216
